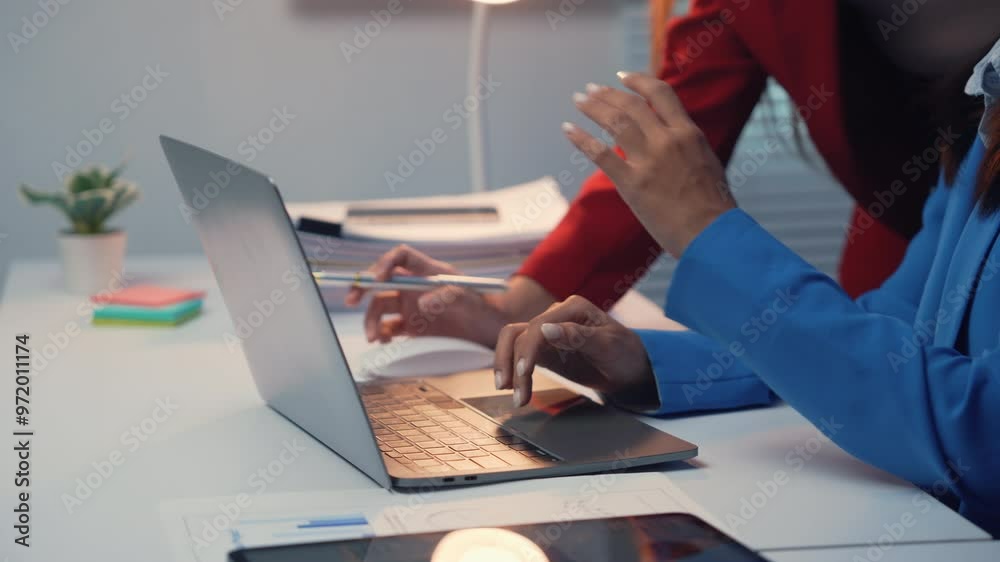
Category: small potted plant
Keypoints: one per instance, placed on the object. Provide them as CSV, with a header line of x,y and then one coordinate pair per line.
x,y
92,254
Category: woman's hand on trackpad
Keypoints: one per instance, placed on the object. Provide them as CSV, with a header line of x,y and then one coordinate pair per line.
x,y
580,341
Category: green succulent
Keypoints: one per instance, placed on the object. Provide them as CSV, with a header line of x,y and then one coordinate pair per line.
x,y
91,196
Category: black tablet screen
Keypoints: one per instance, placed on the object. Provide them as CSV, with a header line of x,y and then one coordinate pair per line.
x,y
643,538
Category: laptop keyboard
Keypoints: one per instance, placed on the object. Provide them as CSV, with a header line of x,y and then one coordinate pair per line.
x,y
416,425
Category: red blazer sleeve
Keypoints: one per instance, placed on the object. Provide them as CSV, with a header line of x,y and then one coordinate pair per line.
x,y
600,250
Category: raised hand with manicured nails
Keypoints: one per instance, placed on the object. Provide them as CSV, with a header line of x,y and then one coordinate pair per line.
x,y
580,341
671,179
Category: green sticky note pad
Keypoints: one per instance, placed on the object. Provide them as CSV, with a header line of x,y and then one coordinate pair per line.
x,y
169,315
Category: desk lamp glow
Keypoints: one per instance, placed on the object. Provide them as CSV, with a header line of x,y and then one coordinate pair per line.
x,y
478,39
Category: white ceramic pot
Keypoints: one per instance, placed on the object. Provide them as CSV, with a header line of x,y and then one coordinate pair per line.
x,y
92,262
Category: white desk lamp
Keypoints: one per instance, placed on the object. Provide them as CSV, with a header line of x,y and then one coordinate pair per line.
x,y
478,39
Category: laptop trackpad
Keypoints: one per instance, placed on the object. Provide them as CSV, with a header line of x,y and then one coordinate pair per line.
x,y
565,423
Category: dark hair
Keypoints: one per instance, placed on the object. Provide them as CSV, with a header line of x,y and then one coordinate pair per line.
x,y
919,110
889,118
988,183
988,177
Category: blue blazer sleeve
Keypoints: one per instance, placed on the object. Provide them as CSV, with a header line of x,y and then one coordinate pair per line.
x,y
923,419
900,295
693,373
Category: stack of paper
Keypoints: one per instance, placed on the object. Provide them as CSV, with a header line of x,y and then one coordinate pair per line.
x,y
147,305
485,234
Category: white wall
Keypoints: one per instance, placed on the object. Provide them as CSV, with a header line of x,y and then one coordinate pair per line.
x,y
352,120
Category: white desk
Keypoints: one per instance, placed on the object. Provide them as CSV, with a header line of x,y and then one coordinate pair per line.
x,y
972,551
105,380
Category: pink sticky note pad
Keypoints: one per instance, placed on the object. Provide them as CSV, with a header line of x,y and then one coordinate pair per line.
x,y
148,295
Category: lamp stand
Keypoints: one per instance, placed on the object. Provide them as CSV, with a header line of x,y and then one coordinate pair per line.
x,y
478,41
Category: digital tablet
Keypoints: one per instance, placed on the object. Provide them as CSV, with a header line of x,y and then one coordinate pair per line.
x,y
647,538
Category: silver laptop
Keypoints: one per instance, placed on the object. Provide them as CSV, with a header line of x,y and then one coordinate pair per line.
x,y
404,433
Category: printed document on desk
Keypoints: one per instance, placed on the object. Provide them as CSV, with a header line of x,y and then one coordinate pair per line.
x,y
205,530
525,213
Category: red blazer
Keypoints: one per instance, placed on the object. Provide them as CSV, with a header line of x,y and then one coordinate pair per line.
x,y
718,59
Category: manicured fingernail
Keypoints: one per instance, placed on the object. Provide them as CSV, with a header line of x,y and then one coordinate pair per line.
x,y
591,88
551,331
568,127
521,365
579,97
622,74
498,378
517,396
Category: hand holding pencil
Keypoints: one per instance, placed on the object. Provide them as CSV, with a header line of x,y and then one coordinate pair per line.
x,y
427,297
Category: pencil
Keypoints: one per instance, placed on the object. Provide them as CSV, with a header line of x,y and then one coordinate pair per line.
x,y
365,280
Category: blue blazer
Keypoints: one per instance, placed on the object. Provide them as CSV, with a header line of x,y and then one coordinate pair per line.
x,y
909,374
